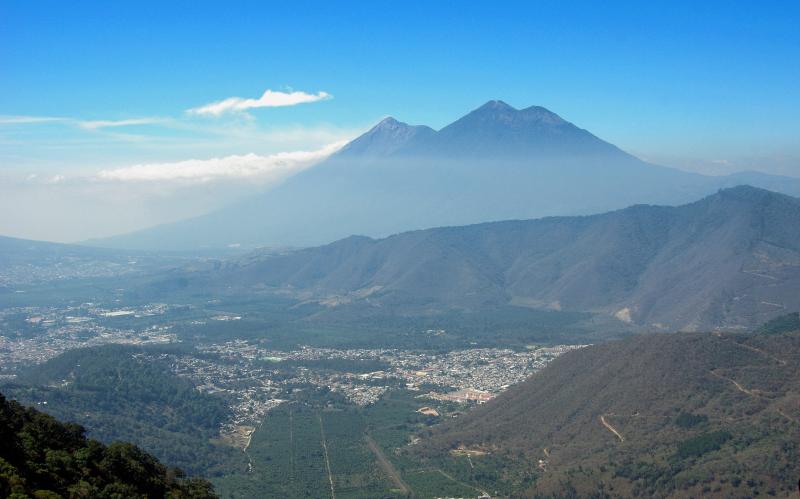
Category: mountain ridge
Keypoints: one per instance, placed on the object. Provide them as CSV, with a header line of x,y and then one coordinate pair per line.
x,y
729,260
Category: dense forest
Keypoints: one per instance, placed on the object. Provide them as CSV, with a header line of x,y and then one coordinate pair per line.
x,y
44,458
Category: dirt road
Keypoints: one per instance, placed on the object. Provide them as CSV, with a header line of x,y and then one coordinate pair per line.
x,y
327,461
739,387
387,466
611,429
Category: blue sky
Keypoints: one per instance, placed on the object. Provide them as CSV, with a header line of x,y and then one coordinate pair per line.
x,y
707,86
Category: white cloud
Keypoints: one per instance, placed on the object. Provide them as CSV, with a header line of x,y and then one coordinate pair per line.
x,y
28,120
85,124
95,124
270,98
248,166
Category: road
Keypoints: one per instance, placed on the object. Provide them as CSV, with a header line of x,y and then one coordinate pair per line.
x,y
387,466
327,461
751,348
611,428
756,394
739,387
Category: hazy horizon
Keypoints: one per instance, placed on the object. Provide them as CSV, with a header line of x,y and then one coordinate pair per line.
x,y
99,103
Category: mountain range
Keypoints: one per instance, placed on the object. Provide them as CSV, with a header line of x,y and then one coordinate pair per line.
x,y
495,163
730,260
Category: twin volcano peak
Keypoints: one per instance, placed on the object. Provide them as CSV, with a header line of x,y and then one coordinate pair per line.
x,y
493,109
495,129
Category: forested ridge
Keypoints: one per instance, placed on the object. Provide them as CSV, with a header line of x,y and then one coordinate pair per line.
x,y
44,458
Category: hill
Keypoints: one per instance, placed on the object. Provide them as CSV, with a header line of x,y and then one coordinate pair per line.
x,y
495,163
118,395
41,457
665,415
730,260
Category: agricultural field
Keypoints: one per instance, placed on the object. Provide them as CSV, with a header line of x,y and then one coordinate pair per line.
x,y
309,450
321,446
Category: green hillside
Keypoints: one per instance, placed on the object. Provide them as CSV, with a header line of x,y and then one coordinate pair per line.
x,y
117,395
43,458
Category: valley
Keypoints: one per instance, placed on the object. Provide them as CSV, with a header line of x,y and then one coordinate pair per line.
x,y
399,250
489,359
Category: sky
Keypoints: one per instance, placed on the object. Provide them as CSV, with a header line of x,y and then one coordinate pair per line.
x,y
120,115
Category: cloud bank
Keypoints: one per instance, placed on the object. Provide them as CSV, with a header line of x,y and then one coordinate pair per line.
x,y
248,166
269,98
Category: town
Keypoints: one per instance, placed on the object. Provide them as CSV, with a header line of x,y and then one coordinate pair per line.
x,y
255,379
33,335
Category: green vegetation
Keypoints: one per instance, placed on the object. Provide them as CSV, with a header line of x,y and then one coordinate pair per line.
x,y
301,447
688,420
118,395
783,324
394,421
368,450
285,325
43,458
703,443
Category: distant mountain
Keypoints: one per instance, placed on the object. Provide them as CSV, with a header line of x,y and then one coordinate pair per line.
x,y
16,251
497,131
730,260
495,163
384,139
665,415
